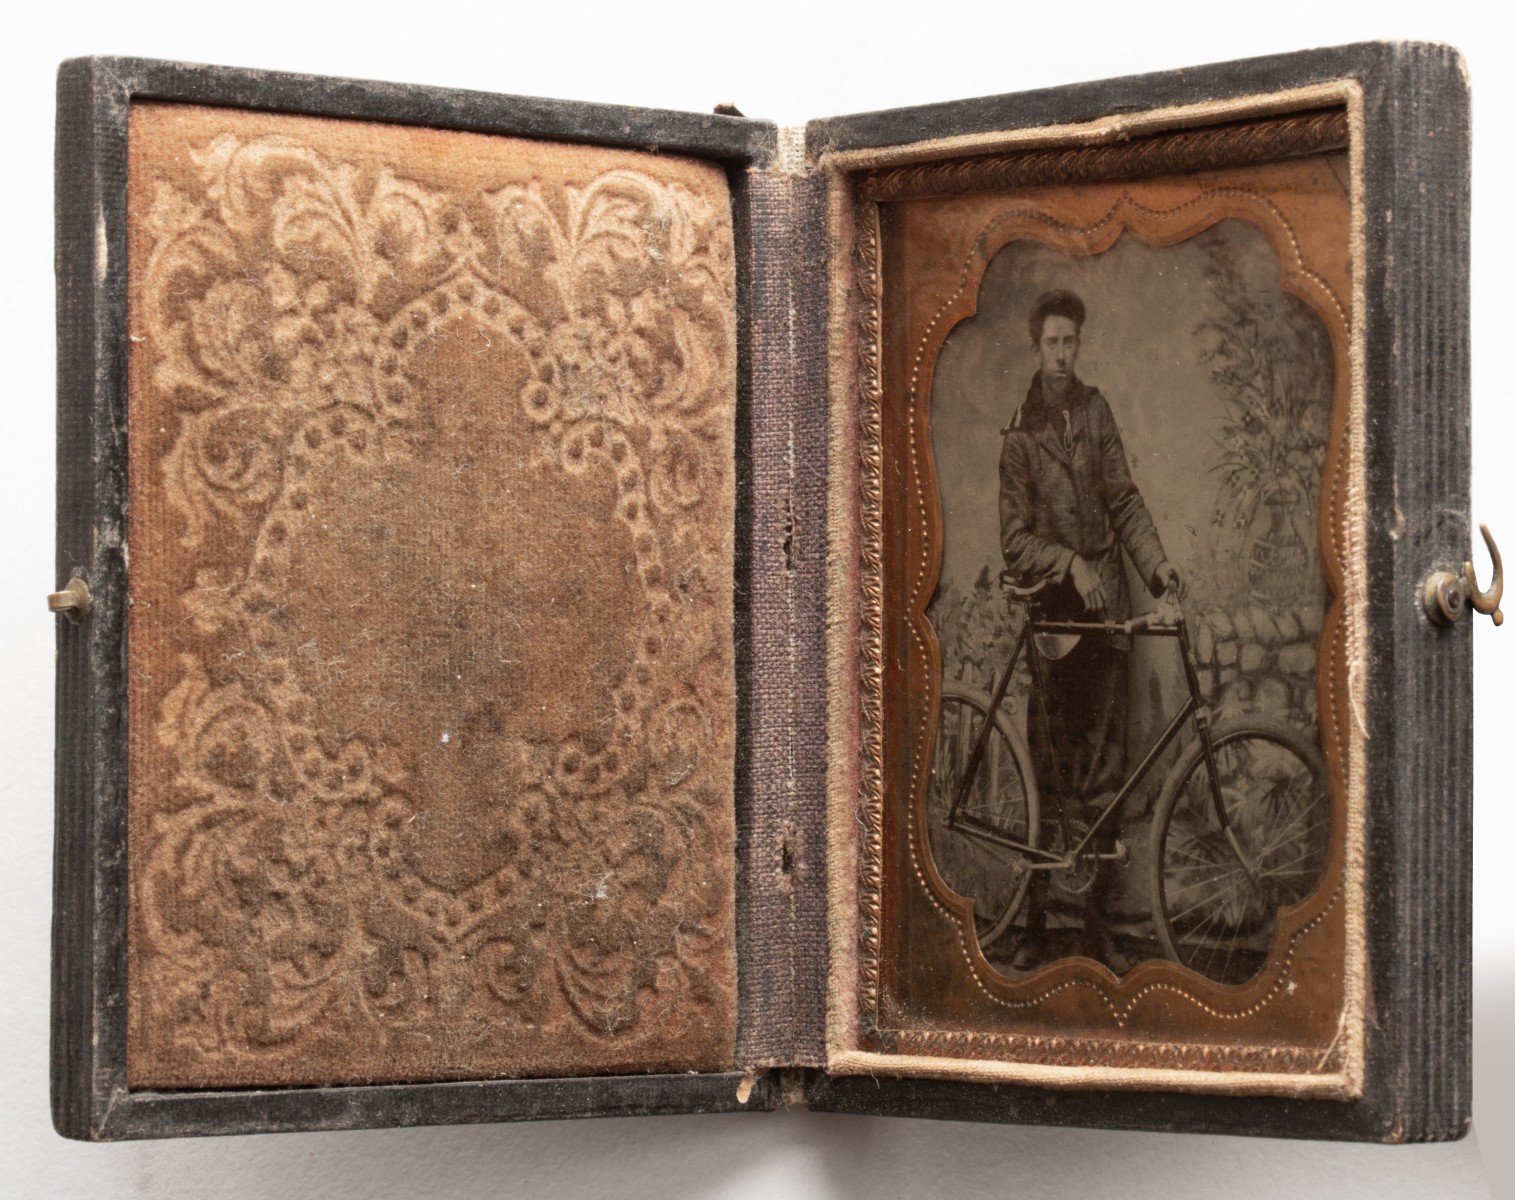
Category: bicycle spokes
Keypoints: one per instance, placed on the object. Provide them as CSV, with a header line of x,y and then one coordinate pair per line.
x,y
1220,888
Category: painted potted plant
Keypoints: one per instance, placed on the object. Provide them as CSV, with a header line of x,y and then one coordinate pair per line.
x,y
1270,357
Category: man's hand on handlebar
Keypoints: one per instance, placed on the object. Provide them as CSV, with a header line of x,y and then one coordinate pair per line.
x,y
1168,608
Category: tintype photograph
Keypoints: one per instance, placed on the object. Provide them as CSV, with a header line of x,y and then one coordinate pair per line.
x,y
1130,473
1115,806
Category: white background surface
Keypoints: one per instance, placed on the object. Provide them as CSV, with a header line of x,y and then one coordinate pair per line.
x,y
786,62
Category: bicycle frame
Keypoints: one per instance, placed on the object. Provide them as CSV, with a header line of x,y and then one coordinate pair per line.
x,y
1193,707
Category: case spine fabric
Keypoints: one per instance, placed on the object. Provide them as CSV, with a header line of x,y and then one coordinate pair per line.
x,y
783,933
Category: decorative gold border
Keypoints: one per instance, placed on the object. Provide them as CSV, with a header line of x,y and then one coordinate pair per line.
x,y
1053,1051
1127,217
1337,1071
871,641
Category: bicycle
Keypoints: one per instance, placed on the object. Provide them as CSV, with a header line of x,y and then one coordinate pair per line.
x,y
1240,829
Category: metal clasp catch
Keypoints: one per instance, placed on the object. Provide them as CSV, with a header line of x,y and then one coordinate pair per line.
x,y
1446,595
73,600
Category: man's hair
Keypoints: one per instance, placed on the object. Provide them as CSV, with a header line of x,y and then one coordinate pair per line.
x,y
1055,304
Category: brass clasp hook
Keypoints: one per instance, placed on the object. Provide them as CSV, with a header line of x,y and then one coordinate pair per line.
x,y
1446,596
1487,602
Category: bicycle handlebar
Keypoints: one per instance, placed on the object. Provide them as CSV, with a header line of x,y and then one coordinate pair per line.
x,y
1165,618
1150,620
1146,623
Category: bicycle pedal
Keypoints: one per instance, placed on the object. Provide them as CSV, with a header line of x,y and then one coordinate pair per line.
x,y
1120,854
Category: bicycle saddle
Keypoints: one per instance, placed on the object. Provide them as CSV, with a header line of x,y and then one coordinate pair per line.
x,y
1049,645
1020,591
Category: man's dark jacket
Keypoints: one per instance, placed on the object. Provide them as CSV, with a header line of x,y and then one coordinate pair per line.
x,y
1065,488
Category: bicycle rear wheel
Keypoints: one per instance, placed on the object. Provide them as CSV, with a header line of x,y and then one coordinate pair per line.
x,y
1214,912
1000,803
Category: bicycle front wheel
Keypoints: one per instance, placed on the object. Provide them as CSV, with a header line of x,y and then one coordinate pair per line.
x,y
1000,805
1216,899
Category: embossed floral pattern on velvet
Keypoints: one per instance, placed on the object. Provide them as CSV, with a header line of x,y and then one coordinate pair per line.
x,y
431,641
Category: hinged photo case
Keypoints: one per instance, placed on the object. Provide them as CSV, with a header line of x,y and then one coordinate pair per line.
x,y
596,611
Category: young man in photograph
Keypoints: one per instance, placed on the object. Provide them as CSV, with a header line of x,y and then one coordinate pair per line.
x,y
1067,507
